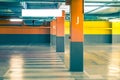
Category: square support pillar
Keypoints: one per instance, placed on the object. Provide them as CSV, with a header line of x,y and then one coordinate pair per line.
x,y
77,37
60,33
53,33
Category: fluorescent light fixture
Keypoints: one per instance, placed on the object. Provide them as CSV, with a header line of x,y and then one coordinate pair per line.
x,y
16,20
114,20
41,12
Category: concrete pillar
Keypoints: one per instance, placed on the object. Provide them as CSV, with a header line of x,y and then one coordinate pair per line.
x,y
77,38
115,32
53,33
60,33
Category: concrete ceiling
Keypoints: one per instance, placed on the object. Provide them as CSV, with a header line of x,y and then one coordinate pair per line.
x,y
92,8
97,9
13,9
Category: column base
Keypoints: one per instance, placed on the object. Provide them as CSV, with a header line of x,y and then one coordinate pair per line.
x,y
76,57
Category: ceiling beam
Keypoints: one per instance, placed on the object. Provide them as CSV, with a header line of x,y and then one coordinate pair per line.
x,y
117,14
111,5
32,0
98,8
101,1
43,0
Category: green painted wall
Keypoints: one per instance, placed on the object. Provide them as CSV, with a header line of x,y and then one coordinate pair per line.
x,y
24,39
97,38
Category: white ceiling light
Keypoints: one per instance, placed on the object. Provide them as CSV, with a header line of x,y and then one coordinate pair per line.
x,y
16,20
41,12
115,20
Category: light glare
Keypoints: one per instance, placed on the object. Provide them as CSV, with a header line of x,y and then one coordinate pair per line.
x,y
114,20
16,20
41,12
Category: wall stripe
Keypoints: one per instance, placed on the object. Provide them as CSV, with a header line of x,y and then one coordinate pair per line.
x,y
24,30
10,22
93,27
97,31
97,24
24,39
97,38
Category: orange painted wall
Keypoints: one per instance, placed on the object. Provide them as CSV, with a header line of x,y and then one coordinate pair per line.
x,y
21,29
24,30
9,22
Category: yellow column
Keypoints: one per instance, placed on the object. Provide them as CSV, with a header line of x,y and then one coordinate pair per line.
x,y
115,32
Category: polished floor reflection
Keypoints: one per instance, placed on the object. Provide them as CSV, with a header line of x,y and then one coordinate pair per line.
x,y
101,62
32,63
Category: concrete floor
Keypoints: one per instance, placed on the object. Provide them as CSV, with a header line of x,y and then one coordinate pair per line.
x,y
101,62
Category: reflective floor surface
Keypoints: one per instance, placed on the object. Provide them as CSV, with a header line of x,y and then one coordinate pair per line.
x,y
101,62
